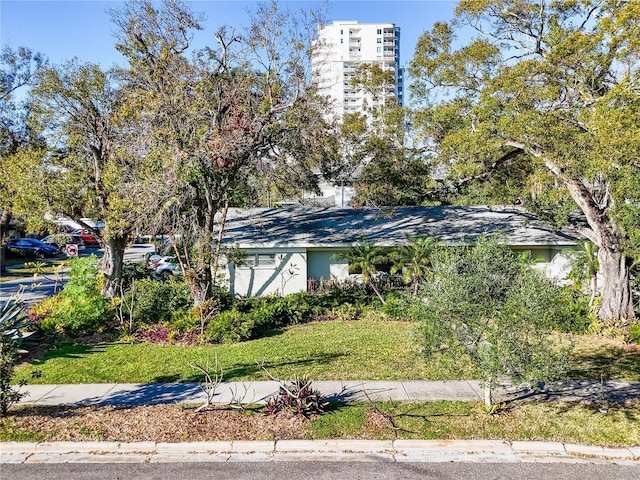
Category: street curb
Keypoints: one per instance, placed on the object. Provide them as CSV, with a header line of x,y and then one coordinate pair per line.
x,y
435,451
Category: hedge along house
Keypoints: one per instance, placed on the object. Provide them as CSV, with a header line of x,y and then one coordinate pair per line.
x,y
284,250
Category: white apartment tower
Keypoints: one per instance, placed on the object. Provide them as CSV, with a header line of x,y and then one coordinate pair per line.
x,y
342,46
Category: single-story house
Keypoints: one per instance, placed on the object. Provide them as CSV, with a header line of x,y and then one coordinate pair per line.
x,y
282,250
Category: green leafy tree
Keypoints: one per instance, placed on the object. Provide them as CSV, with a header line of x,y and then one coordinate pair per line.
x,y
486,301
414,259
538,103
375,152
73,105
17,70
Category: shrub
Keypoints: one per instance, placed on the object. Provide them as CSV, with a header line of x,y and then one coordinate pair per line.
x,y
333,294
154,302
574,315
133,272
79,309
346,312
184,321
230,326
43,308
634,333
486,301
254,316
402,306
222,298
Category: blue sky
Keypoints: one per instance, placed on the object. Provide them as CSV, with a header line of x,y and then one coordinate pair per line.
x,y
63,29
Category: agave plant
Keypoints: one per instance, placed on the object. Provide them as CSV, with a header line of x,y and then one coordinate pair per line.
x,y
13,320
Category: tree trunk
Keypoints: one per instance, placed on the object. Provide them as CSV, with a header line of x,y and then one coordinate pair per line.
x,y
617,301
111,264
4,226
200,286
488,397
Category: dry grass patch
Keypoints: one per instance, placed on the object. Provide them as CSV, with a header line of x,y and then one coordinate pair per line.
x,y
553,421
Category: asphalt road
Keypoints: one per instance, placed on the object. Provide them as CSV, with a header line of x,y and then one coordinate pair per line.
x,y
319,471
35,289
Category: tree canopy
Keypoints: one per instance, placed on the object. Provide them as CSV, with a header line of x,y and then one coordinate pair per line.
x,y
538,103
206,125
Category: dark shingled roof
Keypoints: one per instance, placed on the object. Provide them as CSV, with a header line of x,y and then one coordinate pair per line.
x,y
336,227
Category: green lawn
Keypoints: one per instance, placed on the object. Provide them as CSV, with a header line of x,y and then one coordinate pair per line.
x,y
322,351
16,269
552,421
336,350
594,357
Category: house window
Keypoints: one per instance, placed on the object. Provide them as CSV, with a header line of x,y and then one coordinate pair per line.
x,y
379,31
258,260
379,49
378,40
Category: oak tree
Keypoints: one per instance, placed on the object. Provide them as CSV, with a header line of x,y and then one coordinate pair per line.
x,y
86,174
539,102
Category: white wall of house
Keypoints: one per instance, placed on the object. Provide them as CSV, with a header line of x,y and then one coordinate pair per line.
x,y
552,261
282,271
278,271
322,264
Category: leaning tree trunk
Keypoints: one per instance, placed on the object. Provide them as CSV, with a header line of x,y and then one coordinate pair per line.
x,y
111,264
617,301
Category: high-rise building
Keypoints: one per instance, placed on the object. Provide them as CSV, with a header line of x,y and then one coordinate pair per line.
x,y
342,47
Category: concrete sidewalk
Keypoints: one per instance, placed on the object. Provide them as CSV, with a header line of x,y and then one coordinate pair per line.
x,y
260,391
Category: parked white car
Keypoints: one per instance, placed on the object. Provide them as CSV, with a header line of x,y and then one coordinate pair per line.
x,y
165,267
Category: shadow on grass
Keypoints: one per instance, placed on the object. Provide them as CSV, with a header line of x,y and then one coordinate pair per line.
x,y
238,371
69,351
608,362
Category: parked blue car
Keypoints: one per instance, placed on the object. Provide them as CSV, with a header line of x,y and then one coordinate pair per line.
x,y
32,248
